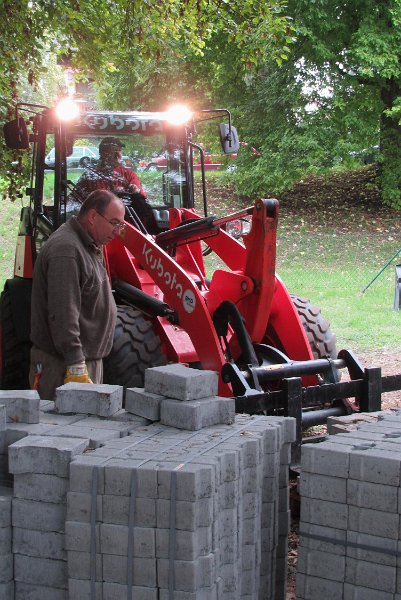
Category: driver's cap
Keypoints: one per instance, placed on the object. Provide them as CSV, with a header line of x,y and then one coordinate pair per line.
x,y
110,144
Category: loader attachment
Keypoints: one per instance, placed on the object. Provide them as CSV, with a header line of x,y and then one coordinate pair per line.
x,y
284,394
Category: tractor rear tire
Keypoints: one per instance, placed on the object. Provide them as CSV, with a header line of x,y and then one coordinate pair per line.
x,y
136,347
321,339
14,353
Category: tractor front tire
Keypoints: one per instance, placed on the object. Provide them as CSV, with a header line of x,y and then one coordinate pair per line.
x,y
321,339
136,347
14,353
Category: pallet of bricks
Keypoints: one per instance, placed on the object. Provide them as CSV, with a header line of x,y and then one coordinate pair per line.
x,y
350,535
173,497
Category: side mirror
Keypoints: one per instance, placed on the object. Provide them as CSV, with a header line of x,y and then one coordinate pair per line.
x,y
228,138
16,134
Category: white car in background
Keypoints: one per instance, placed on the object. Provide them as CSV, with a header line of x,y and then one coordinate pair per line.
x,y
81,156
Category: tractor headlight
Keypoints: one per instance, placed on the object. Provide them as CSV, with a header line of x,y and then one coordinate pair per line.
x,y
178,114
67,109
238,227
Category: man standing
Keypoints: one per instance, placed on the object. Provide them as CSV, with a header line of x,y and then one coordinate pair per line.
x,y
109,174
73,312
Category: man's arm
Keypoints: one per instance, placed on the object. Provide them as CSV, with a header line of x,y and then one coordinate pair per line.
x,y
64,303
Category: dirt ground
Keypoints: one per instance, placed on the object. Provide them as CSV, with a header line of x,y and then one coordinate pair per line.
x,y
390,364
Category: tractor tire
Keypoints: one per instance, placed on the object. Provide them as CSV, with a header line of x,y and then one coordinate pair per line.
x,y
14,353
136,347
322,341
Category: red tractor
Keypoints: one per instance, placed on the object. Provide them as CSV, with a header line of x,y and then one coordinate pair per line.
x,y
273,351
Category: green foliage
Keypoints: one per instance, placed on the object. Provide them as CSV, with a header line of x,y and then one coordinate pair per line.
x,y
337,94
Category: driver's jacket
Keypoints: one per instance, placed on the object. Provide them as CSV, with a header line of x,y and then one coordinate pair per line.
x,y
116,180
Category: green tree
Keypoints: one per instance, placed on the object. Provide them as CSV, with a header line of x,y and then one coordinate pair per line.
x,y
134,49
338,92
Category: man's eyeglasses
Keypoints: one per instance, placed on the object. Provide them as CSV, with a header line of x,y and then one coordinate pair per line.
x,y
115,224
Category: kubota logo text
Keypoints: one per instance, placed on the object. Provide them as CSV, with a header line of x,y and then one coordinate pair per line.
x,y
155,264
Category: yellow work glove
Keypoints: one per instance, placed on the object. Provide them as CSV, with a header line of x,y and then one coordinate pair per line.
x,y
77,373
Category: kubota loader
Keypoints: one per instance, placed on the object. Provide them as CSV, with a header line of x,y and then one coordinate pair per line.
x,y
273,351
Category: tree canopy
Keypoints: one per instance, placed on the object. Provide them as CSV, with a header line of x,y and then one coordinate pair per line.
x,y
338,93
309,83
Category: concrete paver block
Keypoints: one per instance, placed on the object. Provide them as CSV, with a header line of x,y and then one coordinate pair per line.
x,y
142,403
43,488
44,516
180,382
46,455
21,405
94,399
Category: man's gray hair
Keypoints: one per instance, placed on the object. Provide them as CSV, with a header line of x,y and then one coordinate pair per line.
x,y
98,200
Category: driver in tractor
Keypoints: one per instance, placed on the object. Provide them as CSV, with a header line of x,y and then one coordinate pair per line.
x,y
109,174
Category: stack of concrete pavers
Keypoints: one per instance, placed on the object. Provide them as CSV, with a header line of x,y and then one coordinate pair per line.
x,y
114,506
181,397
40,466
6,557
169,514
350,536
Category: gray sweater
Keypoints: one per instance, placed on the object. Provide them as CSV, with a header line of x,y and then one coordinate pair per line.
x,y
73,312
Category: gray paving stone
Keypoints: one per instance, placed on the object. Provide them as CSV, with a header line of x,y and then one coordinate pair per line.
x,y
376,466
5,540
18,431
40,571
7,591
326,457
210,593
43,488
322,538
116,510
323,487
143,570
42,544
197,414
79,507
6,567
28,591
45,455
21,405
321,564
44,516
118,475
78,536
116,591
317,588
56,419
322,512
374,522
194,481
189,545
357,592
96,399
372,548
80,564
95,436
82,472
372,495
188,575
143,404
371,575
180,382
5,505
124,416
114,540
80,589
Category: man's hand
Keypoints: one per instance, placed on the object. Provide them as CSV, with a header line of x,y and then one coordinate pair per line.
x,y
134,189
77,373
